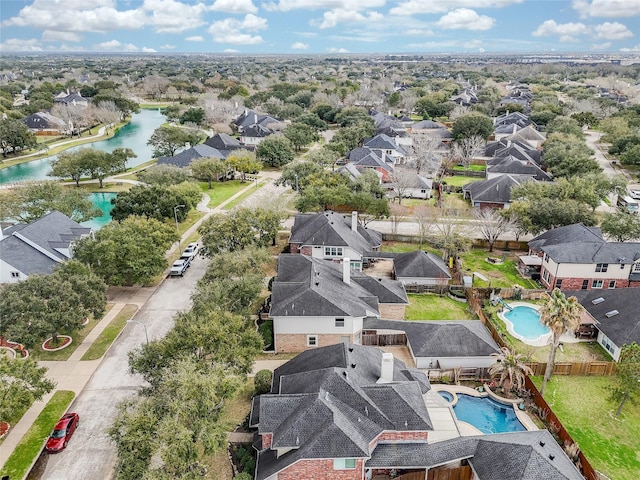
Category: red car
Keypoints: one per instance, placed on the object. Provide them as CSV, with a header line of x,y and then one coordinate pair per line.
x,y
62,432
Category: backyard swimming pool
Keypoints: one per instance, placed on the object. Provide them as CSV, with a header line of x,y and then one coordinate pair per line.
x,y
485,414
523,322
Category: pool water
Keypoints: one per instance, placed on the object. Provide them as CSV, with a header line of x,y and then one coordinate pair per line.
x,y
102,200
487,415
446,395
526,322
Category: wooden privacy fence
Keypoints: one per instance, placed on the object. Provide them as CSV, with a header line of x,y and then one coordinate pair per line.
x,y
556,428
460,473
383,339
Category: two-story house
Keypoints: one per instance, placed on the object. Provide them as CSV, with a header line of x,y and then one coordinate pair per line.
x,y
316,302
575,257
332,236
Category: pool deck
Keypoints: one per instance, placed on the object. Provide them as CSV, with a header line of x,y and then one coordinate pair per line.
x,y
467,429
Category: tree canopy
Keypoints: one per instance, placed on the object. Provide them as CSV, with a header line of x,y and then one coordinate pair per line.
x,y
627,376
15,136
275,151
166,140
472,125
90,162
152,201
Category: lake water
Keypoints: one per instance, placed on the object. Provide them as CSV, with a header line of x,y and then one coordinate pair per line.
x,y
102,200
134,135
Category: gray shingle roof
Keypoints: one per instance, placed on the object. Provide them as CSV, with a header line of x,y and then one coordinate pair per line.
x,y
618,253
420,264
467,338
495,190
222,141
184,158
576,232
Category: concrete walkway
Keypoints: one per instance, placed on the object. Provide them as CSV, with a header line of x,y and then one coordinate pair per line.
x,y
43,151
73,374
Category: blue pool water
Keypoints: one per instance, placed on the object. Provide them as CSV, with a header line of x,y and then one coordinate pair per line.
x,y
446,395
102,200
487,415
526,322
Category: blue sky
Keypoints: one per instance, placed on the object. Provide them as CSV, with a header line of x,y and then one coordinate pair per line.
x,y
320,26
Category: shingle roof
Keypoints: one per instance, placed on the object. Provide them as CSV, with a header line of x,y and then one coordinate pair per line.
x,y
420,264
222,141
513,166
494,190
384,142
333,229
41,120
574,233
467,338
184,158
427,125
618,253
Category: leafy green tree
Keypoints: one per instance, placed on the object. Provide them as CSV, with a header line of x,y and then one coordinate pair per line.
x,y
262,382
124,105
325,157
613,128
244,161
348,138
164,175
631,156
621,226
193,115
105,164
22,382
567,155
621,144
275,151
566,126
34,201
208,169
351,116
166,140
15,136
560,314
627,376
128,252
73,165
313,120
296,174
510,370
150,201
435,104
300,134
587,119
239,229
471,125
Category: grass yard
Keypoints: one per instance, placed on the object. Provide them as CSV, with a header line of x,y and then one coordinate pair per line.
x,y
611,445
221,191
473,168
504,275
19,463
109,334
38,354
459,180
403,247
424,306
243,197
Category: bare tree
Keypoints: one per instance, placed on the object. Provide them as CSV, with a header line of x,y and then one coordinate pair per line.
x,y
491,224
424,215
218,111
397,211
452,236
402,180
465,149
107,113
155,86
425,153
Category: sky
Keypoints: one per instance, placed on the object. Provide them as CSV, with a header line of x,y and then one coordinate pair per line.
x,y
320,26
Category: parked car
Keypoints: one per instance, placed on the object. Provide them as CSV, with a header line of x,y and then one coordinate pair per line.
x,y
179,267
191,250
635,194
62,432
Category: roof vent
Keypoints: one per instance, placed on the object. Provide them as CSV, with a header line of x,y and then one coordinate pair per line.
x,y
551,457
541,443
366,410
297,440
344,374
612,313
351,349
353,365
597,301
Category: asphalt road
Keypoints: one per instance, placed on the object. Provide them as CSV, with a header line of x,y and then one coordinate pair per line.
x,y
91,454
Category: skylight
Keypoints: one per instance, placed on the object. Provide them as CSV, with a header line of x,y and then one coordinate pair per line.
x,y
597,301
612,313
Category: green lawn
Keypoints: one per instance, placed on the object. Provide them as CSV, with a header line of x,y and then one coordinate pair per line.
x,y
473,168
503,275
109,334
403,247
19,463
242,197
424,306
460,180
38,354
611,445
221,191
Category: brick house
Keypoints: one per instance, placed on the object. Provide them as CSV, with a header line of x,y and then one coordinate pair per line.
x,y
332,236
575,257
316,302
350,412
494,192
420,268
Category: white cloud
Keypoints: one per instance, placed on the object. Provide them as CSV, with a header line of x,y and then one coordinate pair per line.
x,y
465,19
195,38
234,6
334,17
607,8
612,31
148,50
418,32
300,46
230,30
231,50
115,46
566,31
171,16
20,45
78,16
632,49
286,5
601,46
307,34
413,7
337,50
167,46
473,45
53,36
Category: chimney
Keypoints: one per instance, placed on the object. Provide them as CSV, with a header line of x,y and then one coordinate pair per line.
x,y
354,222
386,369
346,271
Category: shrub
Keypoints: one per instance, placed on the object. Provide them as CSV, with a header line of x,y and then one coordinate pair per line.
x,y
243,476
265,330
262,382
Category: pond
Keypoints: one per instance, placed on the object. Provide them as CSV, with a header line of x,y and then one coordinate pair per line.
x,y
102,200
134,135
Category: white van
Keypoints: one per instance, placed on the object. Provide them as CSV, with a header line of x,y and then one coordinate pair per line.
x,y
179,267
627,204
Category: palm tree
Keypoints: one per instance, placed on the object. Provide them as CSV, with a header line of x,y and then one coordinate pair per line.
x,y
560,314
510,370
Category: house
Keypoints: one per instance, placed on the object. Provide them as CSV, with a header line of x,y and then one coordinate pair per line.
x,y
250,118
420,268
440,344
510,165
517,119
38,247
615,313
364,158
316,302
333,236
185,157
44,123
577,257
384,144
254,134
224,143
494,192
71,99
413,186
350,412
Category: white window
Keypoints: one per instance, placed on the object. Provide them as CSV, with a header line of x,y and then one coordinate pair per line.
x,y
339,322
355,265
597,284
546,258
602,267
332,251
344,463
636,267
15,274
612,284
546,276
312,340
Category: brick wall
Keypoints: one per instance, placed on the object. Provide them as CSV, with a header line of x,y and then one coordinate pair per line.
x,y
395,436
321,469
294,248
576,283
392,311
298,342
